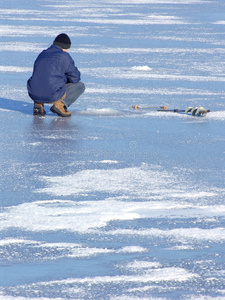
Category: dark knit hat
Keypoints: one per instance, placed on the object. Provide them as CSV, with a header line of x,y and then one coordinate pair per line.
x,y
63,41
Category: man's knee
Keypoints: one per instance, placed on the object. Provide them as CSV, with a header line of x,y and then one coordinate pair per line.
x,y
75,87
81,86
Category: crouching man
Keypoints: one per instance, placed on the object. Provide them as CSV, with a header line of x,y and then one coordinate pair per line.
x,y
55,79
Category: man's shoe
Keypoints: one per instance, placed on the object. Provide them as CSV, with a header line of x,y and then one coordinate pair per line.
x,y
39,109
60,109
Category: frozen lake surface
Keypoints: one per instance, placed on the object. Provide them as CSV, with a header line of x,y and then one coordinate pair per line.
x,y
115,203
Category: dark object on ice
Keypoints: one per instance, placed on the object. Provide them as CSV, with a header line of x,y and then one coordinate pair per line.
x,y
60,109
192,111
39,109
55,76
63,41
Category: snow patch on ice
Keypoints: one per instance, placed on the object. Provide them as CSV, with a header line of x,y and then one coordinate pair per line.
x,y
205,297
12,241
22,47
153,275
5,110
35,144
182,247
126,181
181,234
32,30
138,276
87,216
132,249
142,265
160,91
126,73
15,69
109,162
156,19
99,112
161,1
217,115
3,296
141,68
40,250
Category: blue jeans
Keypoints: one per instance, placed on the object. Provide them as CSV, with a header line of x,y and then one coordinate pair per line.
x,y
73,91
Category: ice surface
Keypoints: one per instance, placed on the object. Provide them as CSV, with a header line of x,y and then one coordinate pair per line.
x,y
115,203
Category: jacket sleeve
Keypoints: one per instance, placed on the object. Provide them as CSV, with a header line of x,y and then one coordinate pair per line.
x,y
72,73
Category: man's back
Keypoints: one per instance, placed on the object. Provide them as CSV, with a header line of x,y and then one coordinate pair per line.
x,y
52,69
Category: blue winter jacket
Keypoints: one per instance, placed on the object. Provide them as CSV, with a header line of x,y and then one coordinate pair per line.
x,y
53,68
